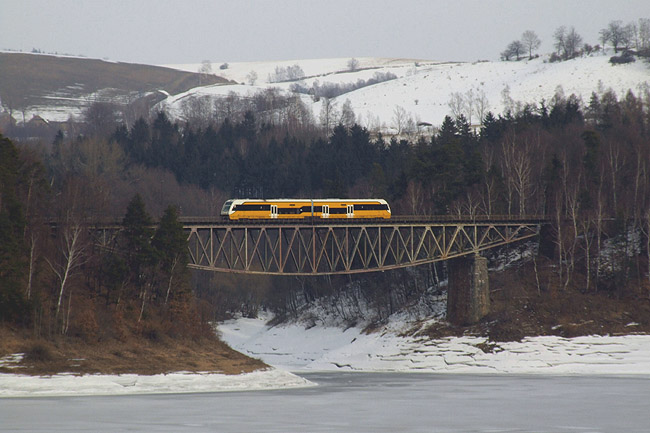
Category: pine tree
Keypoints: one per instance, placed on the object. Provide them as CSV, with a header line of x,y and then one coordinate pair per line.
x,y
170,243
138,233
13,305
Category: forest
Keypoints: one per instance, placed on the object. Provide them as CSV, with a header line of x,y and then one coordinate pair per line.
x,y
583,165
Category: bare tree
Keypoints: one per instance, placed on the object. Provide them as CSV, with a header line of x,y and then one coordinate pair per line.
x,y
616,161
251,78
415,198
600,216
507,161
481,106
204,70
644,33
616,34
514,48
509,104
632,33
572,44
399,118
198,111
573,209
348,118
518,169
456,104
531,41
328,115
469,104
559,38
100,118
72,255
490,181
353,64
206,67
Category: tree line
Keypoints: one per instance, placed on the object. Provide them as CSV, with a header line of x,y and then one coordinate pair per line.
x,y
583,165
568,43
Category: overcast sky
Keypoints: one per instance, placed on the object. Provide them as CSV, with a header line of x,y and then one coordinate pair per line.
x,y
189,31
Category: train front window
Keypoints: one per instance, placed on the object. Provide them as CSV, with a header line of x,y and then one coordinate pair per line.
x,y
226,207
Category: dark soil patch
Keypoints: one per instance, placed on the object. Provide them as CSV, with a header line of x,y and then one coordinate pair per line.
x,y
519,309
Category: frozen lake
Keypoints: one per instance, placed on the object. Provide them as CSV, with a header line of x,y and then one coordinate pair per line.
x,y
359,402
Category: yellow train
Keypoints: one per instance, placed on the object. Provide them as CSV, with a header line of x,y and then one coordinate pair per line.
x,y
332,208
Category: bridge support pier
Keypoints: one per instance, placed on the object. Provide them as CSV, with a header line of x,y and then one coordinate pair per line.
x,y
468,293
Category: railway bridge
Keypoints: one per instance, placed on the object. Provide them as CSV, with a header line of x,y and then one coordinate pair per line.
x,y
322,247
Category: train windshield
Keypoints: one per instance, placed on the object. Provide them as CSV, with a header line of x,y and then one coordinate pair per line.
x,y
226,207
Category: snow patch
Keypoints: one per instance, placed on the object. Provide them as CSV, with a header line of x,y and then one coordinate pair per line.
x,y
15,385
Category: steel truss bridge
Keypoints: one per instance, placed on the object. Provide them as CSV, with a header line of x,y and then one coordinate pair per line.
x,y
346,246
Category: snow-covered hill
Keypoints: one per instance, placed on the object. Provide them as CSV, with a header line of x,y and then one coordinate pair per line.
x,y
423,89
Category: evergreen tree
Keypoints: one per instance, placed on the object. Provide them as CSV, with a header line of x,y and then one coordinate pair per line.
x,y
170,244
13,305
138,232
590,159
492,128
448,129
139,141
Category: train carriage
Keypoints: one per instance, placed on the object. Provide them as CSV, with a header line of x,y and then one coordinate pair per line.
x,y
330,208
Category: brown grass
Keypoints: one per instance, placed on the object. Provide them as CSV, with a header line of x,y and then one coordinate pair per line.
x,y
27,78
135,355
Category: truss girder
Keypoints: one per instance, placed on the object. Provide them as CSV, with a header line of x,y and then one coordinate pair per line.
x,y
341,249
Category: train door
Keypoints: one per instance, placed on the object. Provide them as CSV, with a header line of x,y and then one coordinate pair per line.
x,y
350,211
326,211
274,211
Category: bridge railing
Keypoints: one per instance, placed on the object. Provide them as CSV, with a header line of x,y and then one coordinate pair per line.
x,y
393,219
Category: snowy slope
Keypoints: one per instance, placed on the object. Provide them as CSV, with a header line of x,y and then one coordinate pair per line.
x,y
424,88
329,348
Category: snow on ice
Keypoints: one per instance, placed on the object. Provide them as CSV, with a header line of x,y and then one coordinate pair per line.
x,y
16,385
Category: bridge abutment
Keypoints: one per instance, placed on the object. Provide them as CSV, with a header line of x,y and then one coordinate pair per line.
x,y
468,293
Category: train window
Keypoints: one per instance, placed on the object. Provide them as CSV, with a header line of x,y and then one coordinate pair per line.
x,y
249,207
226,207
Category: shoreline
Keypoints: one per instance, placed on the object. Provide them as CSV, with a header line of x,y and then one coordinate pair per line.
x,y
292,350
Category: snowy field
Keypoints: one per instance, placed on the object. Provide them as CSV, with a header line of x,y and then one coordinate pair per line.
x,y
423,88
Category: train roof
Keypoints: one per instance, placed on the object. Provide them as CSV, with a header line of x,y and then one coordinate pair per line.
x,y
308,200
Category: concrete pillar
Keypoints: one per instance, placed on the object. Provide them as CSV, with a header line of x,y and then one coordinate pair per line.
x,y
468,293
